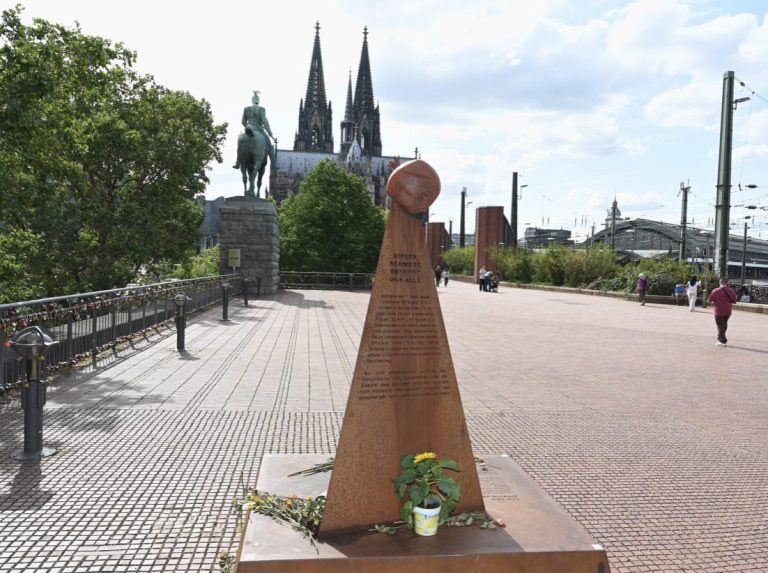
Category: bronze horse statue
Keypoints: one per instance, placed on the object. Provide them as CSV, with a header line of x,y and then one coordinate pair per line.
x,y
252,159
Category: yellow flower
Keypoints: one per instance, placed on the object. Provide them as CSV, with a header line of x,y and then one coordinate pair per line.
x,y
425,456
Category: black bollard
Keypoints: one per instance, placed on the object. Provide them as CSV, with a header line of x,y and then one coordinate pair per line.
x,y
225,301
180,300
245,292
32,344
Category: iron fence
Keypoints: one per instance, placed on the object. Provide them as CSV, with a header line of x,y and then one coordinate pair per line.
x,y
329,281
88,323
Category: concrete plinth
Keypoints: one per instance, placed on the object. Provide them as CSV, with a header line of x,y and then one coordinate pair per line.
x,y
251,226
539,536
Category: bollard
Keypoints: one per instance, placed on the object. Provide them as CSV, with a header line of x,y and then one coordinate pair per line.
x,y
32,344
180,300
225,301
245,292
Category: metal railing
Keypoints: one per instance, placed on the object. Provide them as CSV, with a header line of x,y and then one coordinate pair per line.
x,y
329,281
86,324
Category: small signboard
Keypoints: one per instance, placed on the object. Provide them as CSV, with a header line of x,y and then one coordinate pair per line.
x,y
233,258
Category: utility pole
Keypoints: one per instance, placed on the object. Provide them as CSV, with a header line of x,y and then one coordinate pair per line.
x,y
461,222
744,256
683,218
513,212
723,200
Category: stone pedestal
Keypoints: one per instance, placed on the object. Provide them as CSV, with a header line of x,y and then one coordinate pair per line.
x,y
538,537
251,225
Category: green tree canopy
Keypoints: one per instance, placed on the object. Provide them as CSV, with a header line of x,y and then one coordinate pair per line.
x,y
99,166
331,225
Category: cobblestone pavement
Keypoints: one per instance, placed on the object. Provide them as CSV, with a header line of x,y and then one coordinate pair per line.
x,y
628,416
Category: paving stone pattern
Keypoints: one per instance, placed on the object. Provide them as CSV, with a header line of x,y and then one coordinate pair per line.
x,y
628,416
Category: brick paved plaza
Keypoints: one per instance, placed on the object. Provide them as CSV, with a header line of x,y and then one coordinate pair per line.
x,y
629,417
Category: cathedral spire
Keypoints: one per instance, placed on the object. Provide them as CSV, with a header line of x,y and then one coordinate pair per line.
x,y
315,131
349,112
364,86
366,115
316,83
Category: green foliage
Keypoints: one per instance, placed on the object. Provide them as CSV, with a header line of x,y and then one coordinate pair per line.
x,y
18,251
97,161
206,264
460,261
514,265
331,225
424,483
550,265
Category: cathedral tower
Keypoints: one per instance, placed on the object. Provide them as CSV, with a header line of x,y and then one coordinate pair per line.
x,y
315,114
361,117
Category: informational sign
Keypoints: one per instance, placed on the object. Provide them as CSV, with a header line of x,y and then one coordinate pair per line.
x,y
233,258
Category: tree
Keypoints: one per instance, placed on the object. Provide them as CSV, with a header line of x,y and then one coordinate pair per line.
x,y
98,164
331,225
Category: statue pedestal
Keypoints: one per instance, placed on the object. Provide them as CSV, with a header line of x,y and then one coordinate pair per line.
x,y
539,536
251,226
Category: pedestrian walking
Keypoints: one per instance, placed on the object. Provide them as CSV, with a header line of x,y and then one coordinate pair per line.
x,y
692,288
481,277
445,277
642,288
723,298
438,275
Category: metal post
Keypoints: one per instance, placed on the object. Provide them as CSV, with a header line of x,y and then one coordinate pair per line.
x,y
723,200
245,292
513,211
683,218
461,221
32,344
225,301
94,337
180,300
744,256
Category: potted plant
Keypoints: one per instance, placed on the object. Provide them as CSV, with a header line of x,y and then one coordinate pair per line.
x,y
429,493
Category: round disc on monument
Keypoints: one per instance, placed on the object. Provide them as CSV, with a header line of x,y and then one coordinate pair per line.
x,y
414,185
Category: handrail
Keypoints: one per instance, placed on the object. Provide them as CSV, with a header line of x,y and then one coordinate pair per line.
x,y
326,280
88,323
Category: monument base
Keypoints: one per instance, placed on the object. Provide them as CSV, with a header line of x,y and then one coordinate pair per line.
x,y
539,537
250,227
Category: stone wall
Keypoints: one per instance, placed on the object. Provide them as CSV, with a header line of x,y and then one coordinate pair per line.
x,y
251,225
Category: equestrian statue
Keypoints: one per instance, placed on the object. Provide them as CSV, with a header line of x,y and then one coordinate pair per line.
x,y
253,147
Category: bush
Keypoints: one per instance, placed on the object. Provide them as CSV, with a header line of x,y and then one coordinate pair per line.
x,y
513,265
460,261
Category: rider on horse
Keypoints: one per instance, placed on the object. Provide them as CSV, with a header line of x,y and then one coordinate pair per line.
x,y
256,116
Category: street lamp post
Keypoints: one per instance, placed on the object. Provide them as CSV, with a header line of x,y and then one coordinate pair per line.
x,y
225,301
744,253
180,300
31,344
723,198
461,221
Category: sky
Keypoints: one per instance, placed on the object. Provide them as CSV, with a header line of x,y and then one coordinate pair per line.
x,y
586,100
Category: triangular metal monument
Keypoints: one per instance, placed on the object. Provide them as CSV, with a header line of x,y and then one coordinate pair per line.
x,y
404,396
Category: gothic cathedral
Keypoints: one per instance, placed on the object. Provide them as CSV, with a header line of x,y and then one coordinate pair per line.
x,y
360,150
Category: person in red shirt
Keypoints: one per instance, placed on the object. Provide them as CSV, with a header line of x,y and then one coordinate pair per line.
x,y
723,298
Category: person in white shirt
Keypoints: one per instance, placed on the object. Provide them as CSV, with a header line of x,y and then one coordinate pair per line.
x,y
692,288
481,277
